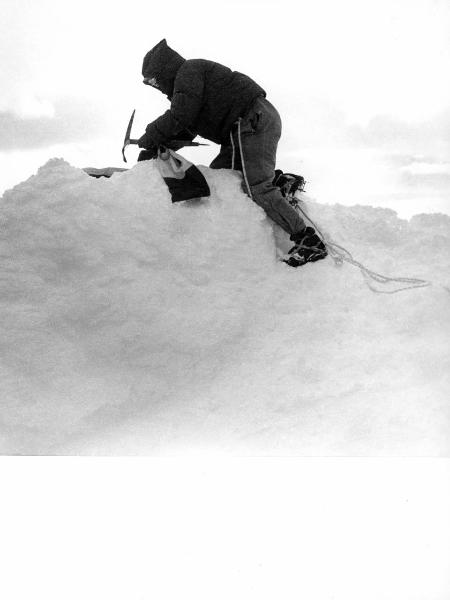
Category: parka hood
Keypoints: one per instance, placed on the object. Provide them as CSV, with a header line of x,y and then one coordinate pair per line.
x,y
162,63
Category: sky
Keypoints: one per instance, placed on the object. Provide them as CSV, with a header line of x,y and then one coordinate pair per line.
x,y
361,86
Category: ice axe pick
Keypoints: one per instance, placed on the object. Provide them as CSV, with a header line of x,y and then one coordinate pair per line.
x,y
129,140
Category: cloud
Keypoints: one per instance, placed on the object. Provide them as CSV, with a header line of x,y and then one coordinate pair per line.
x,y
434,181
74,119
385,130
426,173
319,123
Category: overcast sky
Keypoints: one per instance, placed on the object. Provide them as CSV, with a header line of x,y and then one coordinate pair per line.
x,y
362,85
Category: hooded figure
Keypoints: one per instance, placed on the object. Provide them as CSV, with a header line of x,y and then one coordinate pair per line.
x,y
230,109
161,64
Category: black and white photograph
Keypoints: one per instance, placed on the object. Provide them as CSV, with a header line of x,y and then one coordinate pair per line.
x,y
225,299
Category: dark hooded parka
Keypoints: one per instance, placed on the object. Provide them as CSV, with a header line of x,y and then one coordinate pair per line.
x,y
206,97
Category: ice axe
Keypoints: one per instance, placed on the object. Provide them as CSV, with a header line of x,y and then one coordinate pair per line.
x,y
129,140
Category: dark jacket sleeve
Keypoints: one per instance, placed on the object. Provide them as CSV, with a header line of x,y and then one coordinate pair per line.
x,y
186,104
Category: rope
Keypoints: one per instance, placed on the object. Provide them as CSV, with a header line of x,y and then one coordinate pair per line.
x,y
244,172
233,156
340,254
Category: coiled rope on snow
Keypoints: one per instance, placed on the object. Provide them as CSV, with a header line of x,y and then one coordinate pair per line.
x,y
340,255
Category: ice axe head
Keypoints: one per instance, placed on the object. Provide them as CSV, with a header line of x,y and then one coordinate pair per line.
x,y
176,143
128,139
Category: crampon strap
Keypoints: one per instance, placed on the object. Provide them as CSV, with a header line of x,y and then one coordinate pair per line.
x,y
289,183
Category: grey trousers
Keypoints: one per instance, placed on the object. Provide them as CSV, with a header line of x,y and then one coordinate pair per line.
x,y
260,131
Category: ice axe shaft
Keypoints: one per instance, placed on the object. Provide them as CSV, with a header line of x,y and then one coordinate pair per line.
x,y
174,142
128,140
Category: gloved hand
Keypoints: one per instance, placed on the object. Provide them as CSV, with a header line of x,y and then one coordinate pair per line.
x,y
150,150
175,145
147,143
148,154
182,138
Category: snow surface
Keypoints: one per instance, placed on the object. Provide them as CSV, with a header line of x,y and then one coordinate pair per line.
x,y
131,325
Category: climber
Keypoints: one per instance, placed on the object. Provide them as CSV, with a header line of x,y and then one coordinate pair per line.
x,y
230,109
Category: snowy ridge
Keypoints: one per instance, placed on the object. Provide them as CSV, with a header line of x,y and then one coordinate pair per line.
x,y
131,325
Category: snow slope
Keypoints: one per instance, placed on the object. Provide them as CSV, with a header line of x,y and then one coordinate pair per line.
x,y
133,326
